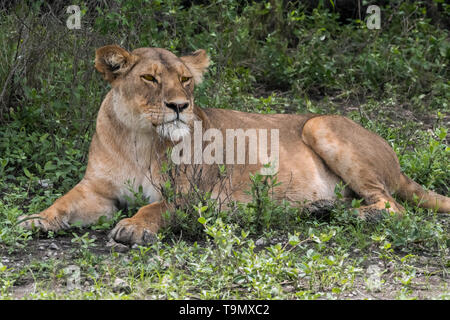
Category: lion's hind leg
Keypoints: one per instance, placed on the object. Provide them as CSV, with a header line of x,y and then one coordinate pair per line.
x,y
361,158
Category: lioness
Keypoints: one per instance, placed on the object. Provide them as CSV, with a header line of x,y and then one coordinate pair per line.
x,y
152,99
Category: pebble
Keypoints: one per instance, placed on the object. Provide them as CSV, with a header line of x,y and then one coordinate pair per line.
x,y
374,281
391,266
288,288
261,242
126,259
120,285
53,246
276,240
45,183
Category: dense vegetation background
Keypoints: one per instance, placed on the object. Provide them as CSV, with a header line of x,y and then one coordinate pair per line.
x,y
268,56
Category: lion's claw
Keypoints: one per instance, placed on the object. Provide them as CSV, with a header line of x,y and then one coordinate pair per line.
x,y
128,231
371,215
42,222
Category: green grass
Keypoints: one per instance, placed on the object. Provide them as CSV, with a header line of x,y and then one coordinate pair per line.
x,y
265,59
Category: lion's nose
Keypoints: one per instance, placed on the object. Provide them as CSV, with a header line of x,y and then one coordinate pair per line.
x,y
177,107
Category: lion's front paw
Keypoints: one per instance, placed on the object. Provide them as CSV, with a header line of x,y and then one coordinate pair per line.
x,y
370,215
43,221
374,213
131,231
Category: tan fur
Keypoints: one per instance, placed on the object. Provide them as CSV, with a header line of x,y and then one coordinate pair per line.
x,y
135,125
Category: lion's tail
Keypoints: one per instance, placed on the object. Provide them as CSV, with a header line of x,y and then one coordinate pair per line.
x,y
408,190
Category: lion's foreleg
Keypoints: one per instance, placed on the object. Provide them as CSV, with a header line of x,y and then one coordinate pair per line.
x,y
84,204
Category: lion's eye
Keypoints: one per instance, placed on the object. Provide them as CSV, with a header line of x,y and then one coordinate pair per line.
x,y
149,77
185,79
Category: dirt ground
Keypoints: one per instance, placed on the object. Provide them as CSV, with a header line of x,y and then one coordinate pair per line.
x,y
430,282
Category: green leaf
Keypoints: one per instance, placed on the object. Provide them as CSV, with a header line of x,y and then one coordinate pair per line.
x,y
356,203
293,240
202,220
49,166
27,173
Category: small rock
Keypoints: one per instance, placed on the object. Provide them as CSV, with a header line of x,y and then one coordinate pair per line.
x,y
391,266
45,183
41,248
261,242
276,240
121,285
374,281
53,246
125,259
135,246
288,288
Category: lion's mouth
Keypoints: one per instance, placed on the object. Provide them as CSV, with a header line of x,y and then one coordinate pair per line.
x,y
173,118
174,121
173,130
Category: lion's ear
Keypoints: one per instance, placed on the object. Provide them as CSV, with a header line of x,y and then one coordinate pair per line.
x,y
197,62
113,61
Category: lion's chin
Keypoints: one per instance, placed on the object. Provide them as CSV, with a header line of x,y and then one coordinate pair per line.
x,y
175,130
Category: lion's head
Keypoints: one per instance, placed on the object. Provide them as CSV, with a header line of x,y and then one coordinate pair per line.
x,y
153,89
